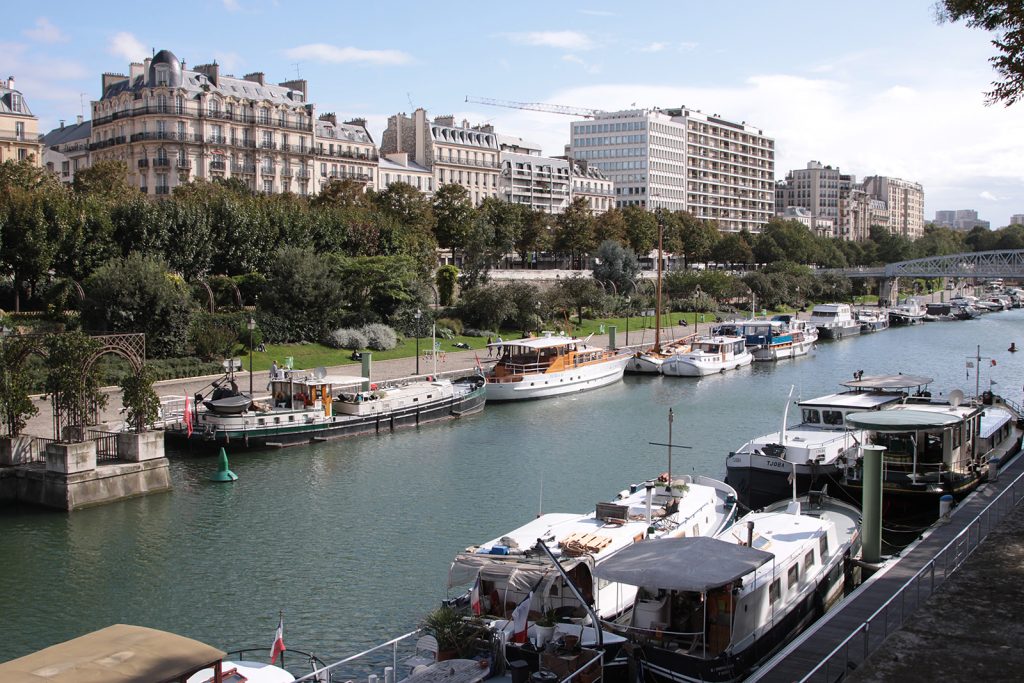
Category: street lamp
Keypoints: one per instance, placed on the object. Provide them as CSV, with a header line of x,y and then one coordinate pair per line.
x,y
628,303
417,315
252,326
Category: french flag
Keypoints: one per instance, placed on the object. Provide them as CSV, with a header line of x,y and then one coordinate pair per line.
x,y
278,646
520,622
474,597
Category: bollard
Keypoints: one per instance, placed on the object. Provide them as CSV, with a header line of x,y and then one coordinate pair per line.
x,y
389,674
366,358
372,678
993,468
945,508
871,503
612,329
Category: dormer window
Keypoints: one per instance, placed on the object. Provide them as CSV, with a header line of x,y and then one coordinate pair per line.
x,y
15,101
163,75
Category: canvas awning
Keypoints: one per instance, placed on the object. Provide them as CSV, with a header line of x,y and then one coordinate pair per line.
x,y
901,420
520,575
889,382
116,654
696,564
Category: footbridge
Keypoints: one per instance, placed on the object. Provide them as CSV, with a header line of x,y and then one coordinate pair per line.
x,y
1007,263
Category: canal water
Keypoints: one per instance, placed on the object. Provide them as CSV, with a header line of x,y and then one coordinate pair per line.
x,y
352,538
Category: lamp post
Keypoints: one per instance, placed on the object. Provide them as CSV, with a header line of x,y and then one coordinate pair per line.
x,y
252,326
627,320
417,315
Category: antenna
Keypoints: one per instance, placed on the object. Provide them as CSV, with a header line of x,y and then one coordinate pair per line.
x,y
408,96
298,76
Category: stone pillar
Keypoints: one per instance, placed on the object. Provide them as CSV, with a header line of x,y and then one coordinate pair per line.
x,y
71,458
139,447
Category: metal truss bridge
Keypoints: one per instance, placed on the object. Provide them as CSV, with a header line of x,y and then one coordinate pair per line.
x,y
981,264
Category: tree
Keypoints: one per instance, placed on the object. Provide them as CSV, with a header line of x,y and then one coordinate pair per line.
x,y
732,249
453,214
16,407
509,221
73,384
346,193
138,294
480,255
698,237
616,264
142,405
610,225
106,180
535,235
574,231
302,299
374,287
32,223
486,307
1006,19
641,230
577,293
446,278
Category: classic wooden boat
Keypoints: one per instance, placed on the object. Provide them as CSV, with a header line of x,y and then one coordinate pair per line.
x,y
510,566
551,365
711,609
834,321
709,356
305,407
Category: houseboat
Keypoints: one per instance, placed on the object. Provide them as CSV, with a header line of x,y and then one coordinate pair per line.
x,y
909,312
784,336
834,321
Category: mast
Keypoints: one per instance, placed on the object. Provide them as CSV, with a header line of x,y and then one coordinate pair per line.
x,y
657,303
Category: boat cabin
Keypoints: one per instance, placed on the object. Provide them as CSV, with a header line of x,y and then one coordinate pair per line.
x,y
731,346
547,354
827,313
876,392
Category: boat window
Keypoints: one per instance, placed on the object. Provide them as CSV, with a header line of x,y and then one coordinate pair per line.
x,y
808,561
811,416
823,547
793,575
277,420
774,591
956,436
832,417
291,418
261,421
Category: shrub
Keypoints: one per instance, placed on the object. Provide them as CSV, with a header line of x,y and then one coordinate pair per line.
x,y
380,337
213,336
346,338
453,324
473,332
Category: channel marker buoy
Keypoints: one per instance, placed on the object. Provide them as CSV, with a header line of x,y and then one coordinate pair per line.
x,y
224,473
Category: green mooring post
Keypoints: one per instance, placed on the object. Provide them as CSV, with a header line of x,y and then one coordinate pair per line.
x,y
367,358
612,329
871,503
224,473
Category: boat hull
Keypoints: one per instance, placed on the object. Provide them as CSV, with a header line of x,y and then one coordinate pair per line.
x,y
782,351
645,364
338,426
548,385
682,367
767,480
839,332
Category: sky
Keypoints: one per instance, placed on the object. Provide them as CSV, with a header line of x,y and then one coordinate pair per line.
x,y
874,87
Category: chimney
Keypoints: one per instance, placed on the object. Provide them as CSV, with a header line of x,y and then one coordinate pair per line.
x,y
255,77
211,71
361,122
465,123
329,116
298,85
145,65
10,82
446,120
135,70
80,119
62,124
109,79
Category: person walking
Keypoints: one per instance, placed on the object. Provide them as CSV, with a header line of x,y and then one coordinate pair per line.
x,y
489,349
499,342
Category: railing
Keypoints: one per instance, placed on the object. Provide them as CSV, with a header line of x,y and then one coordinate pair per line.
x,y
261,654
184,163
162,162
163,189
218,165
243,168
106,443
869,636
143,163
391,644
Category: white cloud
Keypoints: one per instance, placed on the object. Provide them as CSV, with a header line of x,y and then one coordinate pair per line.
x,y
687,46
45,32
988,196
230,61
332,54
653,47
564,40
590,68
126,46
232,5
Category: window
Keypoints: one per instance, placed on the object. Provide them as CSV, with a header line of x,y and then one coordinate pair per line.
x,y
823,547
19,130
774,591
808,562
15,102
793,575
268,186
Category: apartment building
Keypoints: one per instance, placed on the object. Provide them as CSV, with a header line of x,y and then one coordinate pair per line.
x,y
66,149
344,151
528,178
19,128
171,124
1017,219
589,183
453,154
960,219
904,201
683,159
399,168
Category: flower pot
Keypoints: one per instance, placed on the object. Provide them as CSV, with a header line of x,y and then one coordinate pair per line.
x,y
543,634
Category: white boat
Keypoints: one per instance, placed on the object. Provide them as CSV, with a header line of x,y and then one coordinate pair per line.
x,y
650,361
709,356
815,450
711,609
784,336
511,566
834,321
551,365
309,406
909,312
872,320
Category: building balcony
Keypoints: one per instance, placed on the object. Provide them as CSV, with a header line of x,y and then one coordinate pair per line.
x,y
184,164
217,140
287,172
218,165
163,189
143,163
267,170
246,169
161,163
303,174
268,145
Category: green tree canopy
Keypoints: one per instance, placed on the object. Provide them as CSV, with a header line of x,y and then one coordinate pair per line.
x,y
302,299
1005,18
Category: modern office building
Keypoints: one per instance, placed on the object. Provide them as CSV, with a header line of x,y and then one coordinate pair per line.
x,y
19,128
1017,219
171,124
453,154
683,159
66,149
961,219
904,201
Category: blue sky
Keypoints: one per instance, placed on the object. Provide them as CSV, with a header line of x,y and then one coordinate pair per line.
x,y
874,87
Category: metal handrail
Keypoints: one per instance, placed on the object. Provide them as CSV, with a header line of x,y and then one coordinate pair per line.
x,y
960,555
393,644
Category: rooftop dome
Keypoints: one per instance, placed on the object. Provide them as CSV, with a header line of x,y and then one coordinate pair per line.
x,y
165,60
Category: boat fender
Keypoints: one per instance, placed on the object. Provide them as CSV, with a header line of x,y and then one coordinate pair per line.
x,y
373,387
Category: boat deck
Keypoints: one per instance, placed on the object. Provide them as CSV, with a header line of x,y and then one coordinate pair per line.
x,y
842,638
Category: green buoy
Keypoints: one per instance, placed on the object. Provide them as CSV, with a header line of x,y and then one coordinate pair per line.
x,y
224,473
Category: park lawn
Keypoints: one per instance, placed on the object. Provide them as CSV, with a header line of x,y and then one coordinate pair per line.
x,y
305,356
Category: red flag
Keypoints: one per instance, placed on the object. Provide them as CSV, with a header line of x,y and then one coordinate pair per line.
x,y
188,417
278,646
474,597
519,619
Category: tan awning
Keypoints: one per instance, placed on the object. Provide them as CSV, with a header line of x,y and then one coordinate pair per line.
x,y
116,654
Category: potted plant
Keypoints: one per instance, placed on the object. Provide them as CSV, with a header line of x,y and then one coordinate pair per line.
x,y
456,635
544,627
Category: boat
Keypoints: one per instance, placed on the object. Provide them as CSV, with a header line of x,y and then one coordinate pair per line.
x,y
813,451
551,365
783,336
709,355
712,609
511,567
909,312
872,320
834,321
934,448
305,407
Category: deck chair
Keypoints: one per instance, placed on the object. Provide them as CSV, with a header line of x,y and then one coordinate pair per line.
x,y
426,652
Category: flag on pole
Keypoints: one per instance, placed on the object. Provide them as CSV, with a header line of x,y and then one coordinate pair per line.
x,y
474,597
188,416
278,646
519,619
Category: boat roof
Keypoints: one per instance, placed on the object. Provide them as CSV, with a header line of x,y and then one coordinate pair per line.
x,y
544,342
718,339
897,420
899,381
829,307
992,419
117,654
695,563
865,400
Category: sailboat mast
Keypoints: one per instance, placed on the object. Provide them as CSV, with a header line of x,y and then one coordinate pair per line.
x,y
657,303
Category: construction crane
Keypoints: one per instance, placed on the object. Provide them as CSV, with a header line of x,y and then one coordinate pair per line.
x,y
537,106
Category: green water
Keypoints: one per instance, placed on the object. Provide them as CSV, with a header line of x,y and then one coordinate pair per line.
x,y
352,539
